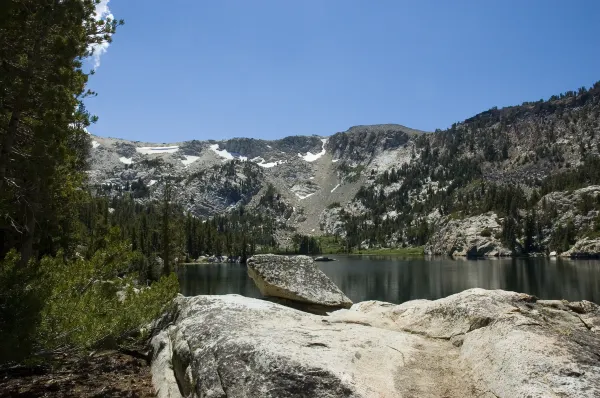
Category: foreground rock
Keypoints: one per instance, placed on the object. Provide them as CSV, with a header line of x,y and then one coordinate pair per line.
x,y
232,346
470,237
514,344
477,343
296,279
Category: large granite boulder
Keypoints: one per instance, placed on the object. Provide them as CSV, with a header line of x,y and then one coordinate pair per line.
x,y
233,346
477,343
295,279
475,236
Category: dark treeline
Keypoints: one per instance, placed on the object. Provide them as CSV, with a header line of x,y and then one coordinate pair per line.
x,y
64,261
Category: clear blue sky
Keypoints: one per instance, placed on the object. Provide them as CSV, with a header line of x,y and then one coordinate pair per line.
x,y
198,69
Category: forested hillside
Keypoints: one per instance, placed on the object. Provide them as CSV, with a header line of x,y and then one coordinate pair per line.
x,y
510,163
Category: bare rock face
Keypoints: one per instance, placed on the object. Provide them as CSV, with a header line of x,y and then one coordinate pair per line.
x,y
295,278
516,345
471,237
584,248
477,343
232,346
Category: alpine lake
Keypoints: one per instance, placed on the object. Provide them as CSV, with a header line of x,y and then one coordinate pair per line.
x,y
398,279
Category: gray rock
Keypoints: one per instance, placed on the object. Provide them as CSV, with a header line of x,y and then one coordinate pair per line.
x,y
331,222
470,237
232,346
324,258
295,278
478,343
584,248
514,344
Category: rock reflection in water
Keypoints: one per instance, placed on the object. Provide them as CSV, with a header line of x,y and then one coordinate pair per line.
x,y
397,279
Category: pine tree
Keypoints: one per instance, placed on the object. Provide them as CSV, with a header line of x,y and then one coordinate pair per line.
x,y
43,145
166,226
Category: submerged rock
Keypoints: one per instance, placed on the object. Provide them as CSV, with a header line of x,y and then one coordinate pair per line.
x,y
477,343
296,279
324,258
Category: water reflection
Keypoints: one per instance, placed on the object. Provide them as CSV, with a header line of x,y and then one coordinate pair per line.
x,y
397,280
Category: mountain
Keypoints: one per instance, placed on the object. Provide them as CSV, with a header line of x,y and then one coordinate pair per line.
x,y
307,174
519,179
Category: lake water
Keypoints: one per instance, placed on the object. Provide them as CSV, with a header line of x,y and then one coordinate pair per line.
x,y
396,279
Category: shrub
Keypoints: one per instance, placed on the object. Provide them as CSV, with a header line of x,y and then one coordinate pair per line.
x,y
73,304
92,302
486,232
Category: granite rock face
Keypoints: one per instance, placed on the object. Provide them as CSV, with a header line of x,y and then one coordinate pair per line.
x,y
477,343
295,278
232,346
470,237
584,248
513,343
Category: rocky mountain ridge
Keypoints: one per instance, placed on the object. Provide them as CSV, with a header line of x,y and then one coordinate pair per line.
x,y
308,173
389,185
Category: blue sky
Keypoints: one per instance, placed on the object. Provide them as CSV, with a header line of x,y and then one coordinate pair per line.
x,y
184,69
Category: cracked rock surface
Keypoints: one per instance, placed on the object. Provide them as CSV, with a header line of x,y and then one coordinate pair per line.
x,y
477,343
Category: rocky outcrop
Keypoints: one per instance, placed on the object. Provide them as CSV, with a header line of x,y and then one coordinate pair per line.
x,y
477,343
584,248
470,237
296,279
232,346
361,143
331,222
516,345
575,207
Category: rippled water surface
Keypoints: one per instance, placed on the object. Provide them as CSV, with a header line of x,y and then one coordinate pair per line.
x,y
396,279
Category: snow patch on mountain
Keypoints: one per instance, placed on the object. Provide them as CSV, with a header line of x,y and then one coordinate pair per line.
x,y
95,144
226,155
189,159
125,160
310,157
261,162
271,164
300,196
149,150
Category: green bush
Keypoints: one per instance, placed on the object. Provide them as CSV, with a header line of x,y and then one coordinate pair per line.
x,y
75,304
486,232
90,302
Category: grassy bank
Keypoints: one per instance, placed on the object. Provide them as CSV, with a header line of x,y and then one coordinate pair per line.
x,y
335,245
